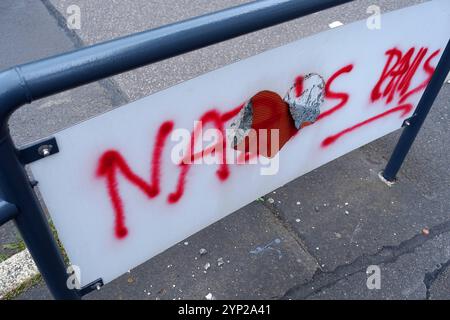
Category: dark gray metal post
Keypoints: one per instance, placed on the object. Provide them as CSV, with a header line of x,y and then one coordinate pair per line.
x,y
31,221
8,211
415,123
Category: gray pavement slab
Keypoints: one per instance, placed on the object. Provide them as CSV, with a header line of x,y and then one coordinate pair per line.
x,y
439,286
407,277
30,32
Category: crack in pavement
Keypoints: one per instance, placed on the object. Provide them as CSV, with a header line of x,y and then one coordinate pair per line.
x,y
291,231
431,277
387,254
117,96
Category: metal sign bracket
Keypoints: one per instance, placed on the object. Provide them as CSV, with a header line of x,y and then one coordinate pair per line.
x,y
37,151
94,285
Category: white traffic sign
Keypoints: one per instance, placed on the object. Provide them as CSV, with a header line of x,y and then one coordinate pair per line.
x,y
117,193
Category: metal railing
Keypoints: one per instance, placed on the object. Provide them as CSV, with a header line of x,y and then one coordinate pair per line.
x,y
26,83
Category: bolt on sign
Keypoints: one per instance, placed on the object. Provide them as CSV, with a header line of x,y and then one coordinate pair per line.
x,y
130,183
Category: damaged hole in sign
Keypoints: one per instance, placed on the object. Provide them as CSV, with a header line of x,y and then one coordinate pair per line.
x,y
304,105
253,129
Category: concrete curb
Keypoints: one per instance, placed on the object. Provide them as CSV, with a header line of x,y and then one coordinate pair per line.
x,y
15,271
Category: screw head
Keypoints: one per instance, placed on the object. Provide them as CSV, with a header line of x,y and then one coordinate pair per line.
x,y
45,150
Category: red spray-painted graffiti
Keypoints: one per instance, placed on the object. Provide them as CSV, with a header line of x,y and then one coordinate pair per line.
x,y
395,80
398,73
330,94
112,163
404,109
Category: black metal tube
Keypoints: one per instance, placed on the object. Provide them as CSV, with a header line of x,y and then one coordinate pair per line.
x,y
59,73
410,131
8,212
32,223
